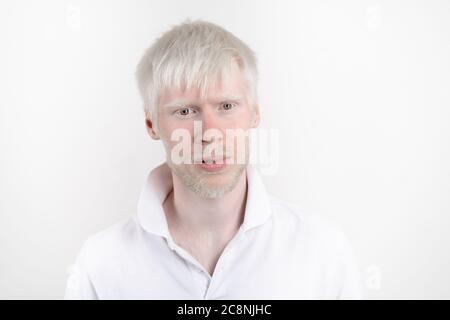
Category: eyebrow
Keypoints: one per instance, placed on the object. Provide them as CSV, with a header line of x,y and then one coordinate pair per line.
x,y
176,103
183,102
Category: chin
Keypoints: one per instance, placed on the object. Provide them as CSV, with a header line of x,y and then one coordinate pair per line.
x,y
207,185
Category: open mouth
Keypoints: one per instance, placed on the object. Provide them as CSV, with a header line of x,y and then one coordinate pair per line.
x,y
215,161
209,161
213,165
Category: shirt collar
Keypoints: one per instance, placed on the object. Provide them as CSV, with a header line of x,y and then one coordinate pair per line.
x,y
158,184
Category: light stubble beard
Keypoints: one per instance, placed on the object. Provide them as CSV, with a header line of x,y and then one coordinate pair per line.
x,y
203,184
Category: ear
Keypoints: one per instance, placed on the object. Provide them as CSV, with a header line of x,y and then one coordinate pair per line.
x,y
256,117
150,129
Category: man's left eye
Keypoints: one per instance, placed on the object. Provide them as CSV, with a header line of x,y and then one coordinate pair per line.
x,y
228,106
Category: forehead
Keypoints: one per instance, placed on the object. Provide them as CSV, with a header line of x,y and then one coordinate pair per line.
x,y
229,86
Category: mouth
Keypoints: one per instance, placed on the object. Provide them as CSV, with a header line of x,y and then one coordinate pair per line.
x,y
212,165
210,161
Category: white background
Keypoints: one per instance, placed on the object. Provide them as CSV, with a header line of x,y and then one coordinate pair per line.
x,y
358,89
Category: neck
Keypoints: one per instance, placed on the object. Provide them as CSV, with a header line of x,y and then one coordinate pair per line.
x,y
219,217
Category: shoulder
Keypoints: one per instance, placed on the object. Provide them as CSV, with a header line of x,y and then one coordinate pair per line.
x,y
319,235
120,231
109,242
304,223
328,248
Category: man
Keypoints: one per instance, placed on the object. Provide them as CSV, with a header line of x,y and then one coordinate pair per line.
x,y
205,227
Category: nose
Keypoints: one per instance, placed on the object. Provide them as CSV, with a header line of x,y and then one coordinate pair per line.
x,y
211,127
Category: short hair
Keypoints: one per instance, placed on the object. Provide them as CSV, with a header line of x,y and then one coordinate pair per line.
x,y
193,53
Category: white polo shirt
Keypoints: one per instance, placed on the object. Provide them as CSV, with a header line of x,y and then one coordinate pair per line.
x,y
279,252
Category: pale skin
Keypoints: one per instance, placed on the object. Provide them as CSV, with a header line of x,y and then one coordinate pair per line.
x,y
204,226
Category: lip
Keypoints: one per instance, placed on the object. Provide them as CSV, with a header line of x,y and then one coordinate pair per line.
x,y
213,167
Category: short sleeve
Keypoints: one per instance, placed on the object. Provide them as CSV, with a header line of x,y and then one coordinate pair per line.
x,y
79,285
351,280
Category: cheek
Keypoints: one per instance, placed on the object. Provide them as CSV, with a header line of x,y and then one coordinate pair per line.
x,y
243,120
169,128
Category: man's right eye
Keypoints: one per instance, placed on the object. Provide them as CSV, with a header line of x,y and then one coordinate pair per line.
x,y
185,112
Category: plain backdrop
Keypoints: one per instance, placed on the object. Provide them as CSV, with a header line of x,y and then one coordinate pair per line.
x,y
358,91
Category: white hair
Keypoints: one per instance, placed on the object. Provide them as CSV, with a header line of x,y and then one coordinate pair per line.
x,y
193,53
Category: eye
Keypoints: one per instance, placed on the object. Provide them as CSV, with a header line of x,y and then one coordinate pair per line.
x,y
228,106
185,112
